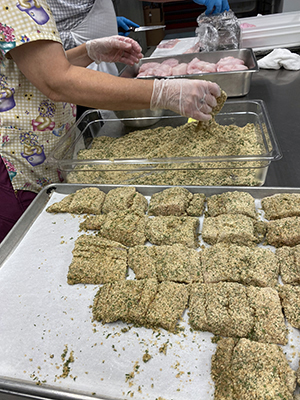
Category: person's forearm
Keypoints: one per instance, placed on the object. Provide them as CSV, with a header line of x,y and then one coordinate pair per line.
x,y
46,67
78,56
100,90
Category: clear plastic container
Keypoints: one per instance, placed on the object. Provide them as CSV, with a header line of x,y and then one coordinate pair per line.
x,y
212,170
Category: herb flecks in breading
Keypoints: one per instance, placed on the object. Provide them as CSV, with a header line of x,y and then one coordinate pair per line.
x,y
283,232
171,201
231,203
127,301
97,260
124,198
290,297
235,263
142,303
168,306
175,263
87,200
248,370
230,309
211,140
126,227
289,261
281,205
170,230
232,228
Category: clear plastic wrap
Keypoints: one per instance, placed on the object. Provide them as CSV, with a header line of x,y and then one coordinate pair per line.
x,y
218,32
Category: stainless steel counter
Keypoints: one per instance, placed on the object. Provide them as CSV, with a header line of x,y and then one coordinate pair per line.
x,y
280,90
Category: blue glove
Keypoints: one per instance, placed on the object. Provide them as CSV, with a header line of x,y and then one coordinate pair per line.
x,y
124,26
214,6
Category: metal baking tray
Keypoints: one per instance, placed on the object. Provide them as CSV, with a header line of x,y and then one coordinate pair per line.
x,y
234,83
245,170
44,316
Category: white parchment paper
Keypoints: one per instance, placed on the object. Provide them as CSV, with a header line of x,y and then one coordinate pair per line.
x,y
43,318
182,46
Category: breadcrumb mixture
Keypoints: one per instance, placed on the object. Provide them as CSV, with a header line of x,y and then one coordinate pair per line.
x,y
189,140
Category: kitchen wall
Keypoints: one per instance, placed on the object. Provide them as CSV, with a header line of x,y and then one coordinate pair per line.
x,y
291,5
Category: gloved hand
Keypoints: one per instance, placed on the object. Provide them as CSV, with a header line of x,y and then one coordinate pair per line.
x,y
189,97
214,6
124,24
114,49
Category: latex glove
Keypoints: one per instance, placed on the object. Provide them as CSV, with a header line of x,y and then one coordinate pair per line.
x,y
189,97
214,6
124,24
114,49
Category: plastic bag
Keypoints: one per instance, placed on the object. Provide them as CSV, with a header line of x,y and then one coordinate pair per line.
x,y
218,32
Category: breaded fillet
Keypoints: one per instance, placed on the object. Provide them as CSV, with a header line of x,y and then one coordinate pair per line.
x,y
124,198
289,261
231,228
171,201
281,205
170,230
142,302
175,263
290,298
141,259
230,309
221,308
284,232
233,263
269,326
167,306
126,227
231,203
84,201
92,222
246,370
126,301
97,260
196,207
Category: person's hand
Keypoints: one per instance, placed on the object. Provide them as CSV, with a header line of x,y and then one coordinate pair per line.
x,y
124,25
214,6
114,49
189,97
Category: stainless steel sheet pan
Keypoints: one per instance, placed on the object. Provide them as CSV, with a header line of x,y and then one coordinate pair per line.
x,y
234,83
43,318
